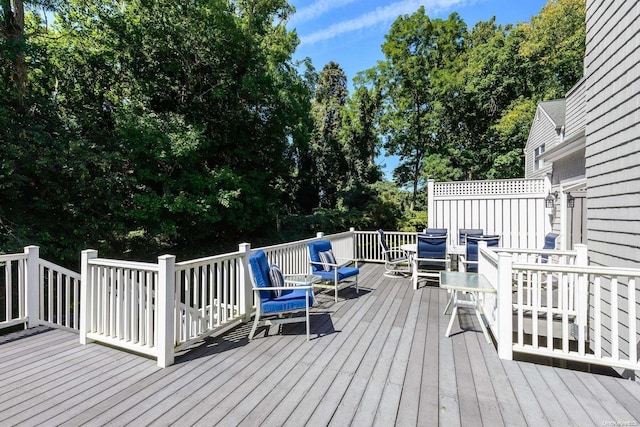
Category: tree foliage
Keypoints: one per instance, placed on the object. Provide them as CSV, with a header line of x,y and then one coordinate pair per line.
x,y
457,103
141,127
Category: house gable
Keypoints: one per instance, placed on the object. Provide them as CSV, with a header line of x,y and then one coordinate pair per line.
x,y
546,131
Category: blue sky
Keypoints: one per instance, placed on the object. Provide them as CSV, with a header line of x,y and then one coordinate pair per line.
x,y
350,32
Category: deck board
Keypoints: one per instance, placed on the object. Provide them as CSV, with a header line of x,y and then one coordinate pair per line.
x,y
377,357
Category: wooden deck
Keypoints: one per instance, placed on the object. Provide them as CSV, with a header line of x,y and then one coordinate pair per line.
x,y
378,357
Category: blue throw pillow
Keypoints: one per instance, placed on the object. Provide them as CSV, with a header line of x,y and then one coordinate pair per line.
x,y
277,279
327,258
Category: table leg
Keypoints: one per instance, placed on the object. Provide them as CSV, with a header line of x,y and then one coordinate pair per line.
x,y
453,313
478,310
451,293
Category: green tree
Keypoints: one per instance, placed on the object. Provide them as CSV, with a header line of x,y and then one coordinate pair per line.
x,y
163,123
360,135
420,56
327,109
555,44
198,105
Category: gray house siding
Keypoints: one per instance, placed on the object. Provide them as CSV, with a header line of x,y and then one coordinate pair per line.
x,y
612,156
577,222
576,115
612,153
542,132
569,167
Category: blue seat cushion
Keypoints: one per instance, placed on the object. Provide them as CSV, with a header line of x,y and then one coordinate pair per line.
x,y
314,253
289,300
260,269
343,273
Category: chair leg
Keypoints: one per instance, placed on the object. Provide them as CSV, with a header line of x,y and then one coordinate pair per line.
x,y
336,292
255,325
307,313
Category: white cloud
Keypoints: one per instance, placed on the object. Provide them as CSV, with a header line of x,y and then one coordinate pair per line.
x,y
377,16
317,9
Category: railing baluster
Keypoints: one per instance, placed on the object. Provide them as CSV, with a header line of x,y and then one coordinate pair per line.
x,y
564,306
633,339
615,337
549,311
149,311
67,301
597,324
8,287
534,311
520,296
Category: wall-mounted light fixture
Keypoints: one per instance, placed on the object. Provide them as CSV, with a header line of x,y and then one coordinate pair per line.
x,y
550,199
571,201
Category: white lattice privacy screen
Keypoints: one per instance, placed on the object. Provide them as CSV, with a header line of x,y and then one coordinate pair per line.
x,y
514,209
484,188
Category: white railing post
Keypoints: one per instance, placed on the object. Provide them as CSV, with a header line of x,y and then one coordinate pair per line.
x,y
505,314
166,309
482,260
430,203
352,230
246,287
582,260
319,234
85,293
32,281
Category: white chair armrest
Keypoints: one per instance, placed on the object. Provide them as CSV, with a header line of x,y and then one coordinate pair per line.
x,y
284,288
397,250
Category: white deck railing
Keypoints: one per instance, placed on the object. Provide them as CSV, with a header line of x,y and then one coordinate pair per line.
x,y
59,296
13,290
368,247
121,303
160,308
210,296
558,309
36,291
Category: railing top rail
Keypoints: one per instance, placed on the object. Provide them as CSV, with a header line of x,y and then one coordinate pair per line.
x,y
490,252
132,265
13,257
207,260
538,251
55,267
302,242
561,268
336,235
395,233
284,245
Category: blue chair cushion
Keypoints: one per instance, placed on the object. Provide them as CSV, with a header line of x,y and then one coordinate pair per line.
x,y
432,247
314,253
343,273
293,299
549,243
436,231
277,279
472,249
464,232
260,268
